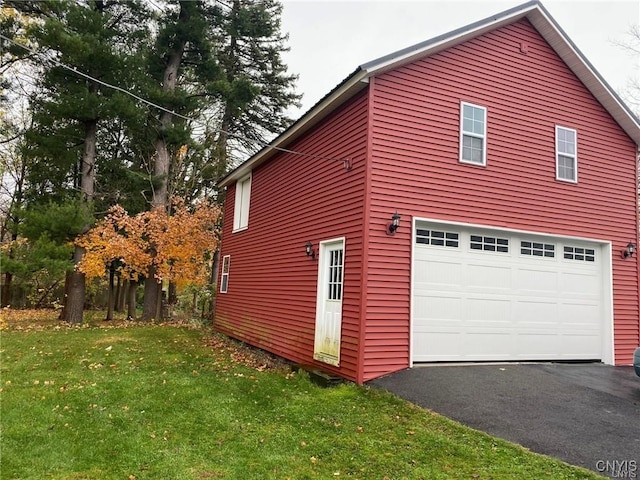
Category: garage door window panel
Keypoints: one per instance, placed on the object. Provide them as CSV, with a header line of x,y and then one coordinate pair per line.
x,y
537,249
579,253
489,244
438,238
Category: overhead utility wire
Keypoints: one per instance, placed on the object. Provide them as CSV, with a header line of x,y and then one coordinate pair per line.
x,y
93,79
346,161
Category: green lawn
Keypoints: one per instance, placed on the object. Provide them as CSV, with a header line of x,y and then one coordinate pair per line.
x,y
173,402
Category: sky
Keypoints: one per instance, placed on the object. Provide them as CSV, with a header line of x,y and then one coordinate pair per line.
x,y
329,39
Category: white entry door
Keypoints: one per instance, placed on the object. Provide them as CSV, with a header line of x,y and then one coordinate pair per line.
x,y
329,303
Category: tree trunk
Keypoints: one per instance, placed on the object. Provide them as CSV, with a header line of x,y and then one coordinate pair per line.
x,y
172,297
5,299
74,301
163,161
131,300
67,285
118,296
111,292
10,223
74,305
151,294
152,288
215,265
159,310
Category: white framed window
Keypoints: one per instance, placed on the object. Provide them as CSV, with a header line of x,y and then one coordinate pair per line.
x,y
473,134
243,198
566,154
224,277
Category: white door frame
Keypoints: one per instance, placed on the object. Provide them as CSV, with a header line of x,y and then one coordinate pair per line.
x,y
608,347
321,352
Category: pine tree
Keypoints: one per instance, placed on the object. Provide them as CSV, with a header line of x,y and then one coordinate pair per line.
x,y
70,107
217,63
257,89
183,62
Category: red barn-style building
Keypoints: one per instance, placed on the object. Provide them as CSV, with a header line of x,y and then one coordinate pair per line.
x,y
512,167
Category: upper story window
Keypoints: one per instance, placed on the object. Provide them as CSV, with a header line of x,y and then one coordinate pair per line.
x,y
473,134
566,154
243,197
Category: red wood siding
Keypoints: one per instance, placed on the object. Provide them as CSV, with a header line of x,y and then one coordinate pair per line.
x,y
415,169
271,299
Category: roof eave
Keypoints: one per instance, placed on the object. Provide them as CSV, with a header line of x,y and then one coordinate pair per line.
x,y
447,40
544,23
327,105
588,75
533,11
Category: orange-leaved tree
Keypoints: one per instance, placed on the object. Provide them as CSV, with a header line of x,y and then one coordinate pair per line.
x,y
183,240
177,246
116,238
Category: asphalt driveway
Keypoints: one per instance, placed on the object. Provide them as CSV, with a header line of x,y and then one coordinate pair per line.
x,y
584,414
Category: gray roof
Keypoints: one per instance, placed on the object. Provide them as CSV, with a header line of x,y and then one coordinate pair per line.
x,y
533,11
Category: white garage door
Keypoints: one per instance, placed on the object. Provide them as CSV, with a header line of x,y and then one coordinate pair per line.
x,y
490,295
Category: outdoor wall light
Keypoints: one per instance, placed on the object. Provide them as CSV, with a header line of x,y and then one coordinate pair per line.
x,y
395,223
309,250
630,250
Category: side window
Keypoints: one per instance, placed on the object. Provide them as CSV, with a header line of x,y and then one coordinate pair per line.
x,y
243,197
473,134
566,154
224,278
